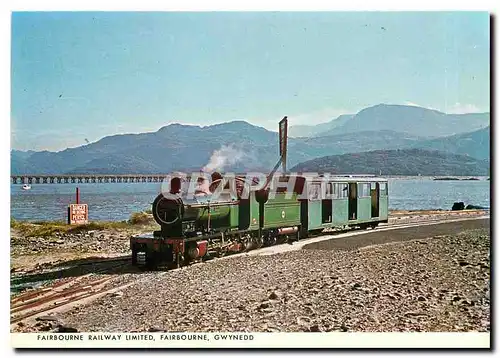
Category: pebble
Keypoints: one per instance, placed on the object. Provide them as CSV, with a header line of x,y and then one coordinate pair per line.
x,y
263,305
273,296
46,318
250,299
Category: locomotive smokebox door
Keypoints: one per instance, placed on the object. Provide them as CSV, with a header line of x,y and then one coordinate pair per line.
x,y
168,212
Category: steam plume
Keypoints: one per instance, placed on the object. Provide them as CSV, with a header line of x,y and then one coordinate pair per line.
x,y
226,155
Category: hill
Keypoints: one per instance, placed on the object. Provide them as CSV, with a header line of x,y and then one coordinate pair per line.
x,y
417,121
475,144
397,162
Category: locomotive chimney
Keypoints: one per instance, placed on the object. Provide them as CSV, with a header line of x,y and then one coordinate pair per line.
x,y
175,185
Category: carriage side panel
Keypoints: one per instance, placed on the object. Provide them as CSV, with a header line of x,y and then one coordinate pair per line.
x,y
340,212
281,211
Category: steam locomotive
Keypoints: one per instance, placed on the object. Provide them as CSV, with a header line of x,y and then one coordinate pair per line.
x,y
238,214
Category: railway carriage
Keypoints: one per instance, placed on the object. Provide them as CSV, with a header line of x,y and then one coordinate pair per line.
x,y
344,201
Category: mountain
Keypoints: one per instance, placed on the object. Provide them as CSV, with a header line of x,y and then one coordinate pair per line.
x,y
397,162
241,146
18,161
301,149
417,121
475,144
318,129
21,154
414,120
173,147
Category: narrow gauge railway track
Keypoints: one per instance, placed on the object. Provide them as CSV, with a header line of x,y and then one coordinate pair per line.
x,y
68,291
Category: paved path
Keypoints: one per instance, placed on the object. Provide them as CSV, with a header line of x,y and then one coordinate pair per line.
x,y
403,234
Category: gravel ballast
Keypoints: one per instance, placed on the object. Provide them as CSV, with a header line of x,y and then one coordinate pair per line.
x,y
441,283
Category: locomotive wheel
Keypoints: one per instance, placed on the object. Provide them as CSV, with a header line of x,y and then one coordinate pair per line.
x,y
271,241
151,260
180,260
281,239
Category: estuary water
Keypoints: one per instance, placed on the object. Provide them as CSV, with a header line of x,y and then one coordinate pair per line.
x,y
116,201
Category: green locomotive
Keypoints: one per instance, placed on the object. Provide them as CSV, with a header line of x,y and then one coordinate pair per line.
x,y
239,214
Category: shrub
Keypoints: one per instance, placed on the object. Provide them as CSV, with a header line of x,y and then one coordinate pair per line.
x,y
141,218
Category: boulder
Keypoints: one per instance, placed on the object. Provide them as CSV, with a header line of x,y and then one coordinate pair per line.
x,y
458,206
469,207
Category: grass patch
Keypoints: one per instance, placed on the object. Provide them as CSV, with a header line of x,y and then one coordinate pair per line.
x,y
49,228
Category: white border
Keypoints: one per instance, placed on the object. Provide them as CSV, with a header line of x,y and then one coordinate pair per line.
x,y
256,5
311,5
252,340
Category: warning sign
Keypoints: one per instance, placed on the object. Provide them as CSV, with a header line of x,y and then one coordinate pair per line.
x,y
78,214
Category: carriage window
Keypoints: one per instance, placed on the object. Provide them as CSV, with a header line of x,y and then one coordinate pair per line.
x,y
328,191
383,188
373,185
363,189
342,190
315,191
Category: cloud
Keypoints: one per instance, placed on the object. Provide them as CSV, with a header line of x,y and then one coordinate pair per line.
x,y
305,118
459,108
408,103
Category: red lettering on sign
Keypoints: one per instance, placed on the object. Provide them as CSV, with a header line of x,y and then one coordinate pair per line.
x,y
78,214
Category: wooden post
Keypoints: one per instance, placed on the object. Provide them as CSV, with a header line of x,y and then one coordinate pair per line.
x,y
77,195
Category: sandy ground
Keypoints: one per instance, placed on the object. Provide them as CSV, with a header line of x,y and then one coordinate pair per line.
x,y
432,278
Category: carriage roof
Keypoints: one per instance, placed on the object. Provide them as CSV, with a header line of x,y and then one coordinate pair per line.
x,y
347,178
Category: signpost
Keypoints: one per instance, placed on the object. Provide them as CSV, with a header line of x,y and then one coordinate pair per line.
x,y
283,134
78,214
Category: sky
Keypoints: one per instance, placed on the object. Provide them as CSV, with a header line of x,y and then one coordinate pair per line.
x,y
80,76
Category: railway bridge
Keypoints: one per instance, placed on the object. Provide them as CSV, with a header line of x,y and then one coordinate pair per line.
x,y
113,178
87,178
